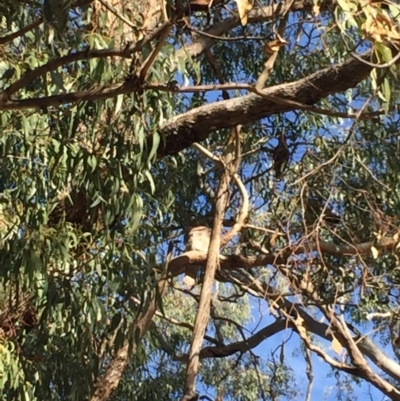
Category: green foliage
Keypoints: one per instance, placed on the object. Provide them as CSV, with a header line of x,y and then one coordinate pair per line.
x,y
88,207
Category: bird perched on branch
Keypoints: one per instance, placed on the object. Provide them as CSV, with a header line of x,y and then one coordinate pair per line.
x,y
316,208
198,240
280,156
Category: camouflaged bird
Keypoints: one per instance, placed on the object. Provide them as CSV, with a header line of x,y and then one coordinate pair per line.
x,y
280,156
198,240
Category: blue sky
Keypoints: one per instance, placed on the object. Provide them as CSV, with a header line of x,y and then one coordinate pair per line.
x,y
324,385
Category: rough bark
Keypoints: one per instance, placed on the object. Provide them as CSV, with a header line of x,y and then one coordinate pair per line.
x,y
197,124
203,313
184,261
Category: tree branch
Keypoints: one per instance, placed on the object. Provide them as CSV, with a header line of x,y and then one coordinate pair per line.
x,y
21,32
229,262
197,124
106,91
364,343
107,383
358,360
212,264
245,345
258,14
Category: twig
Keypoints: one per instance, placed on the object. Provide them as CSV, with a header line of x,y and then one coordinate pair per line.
x,y
269,64
23,31
117,14
208,154
374,315
267,230
144,69
386,65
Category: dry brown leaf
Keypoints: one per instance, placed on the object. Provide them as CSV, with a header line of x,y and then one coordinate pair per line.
x,y
274,237
316,10
244,6
375,252
379,27
336,345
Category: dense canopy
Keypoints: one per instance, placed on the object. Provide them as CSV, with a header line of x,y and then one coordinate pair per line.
x,y
126,127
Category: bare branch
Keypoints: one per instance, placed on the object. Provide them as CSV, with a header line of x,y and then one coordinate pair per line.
x,y
152,57
245,345
244,210
393,61
21,32
212,264
229,262
374,315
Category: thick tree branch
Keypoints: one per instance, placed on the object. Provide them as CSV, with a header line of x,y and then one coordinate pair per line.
x,y
244,210
358,360
212,264
197,124
229,262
